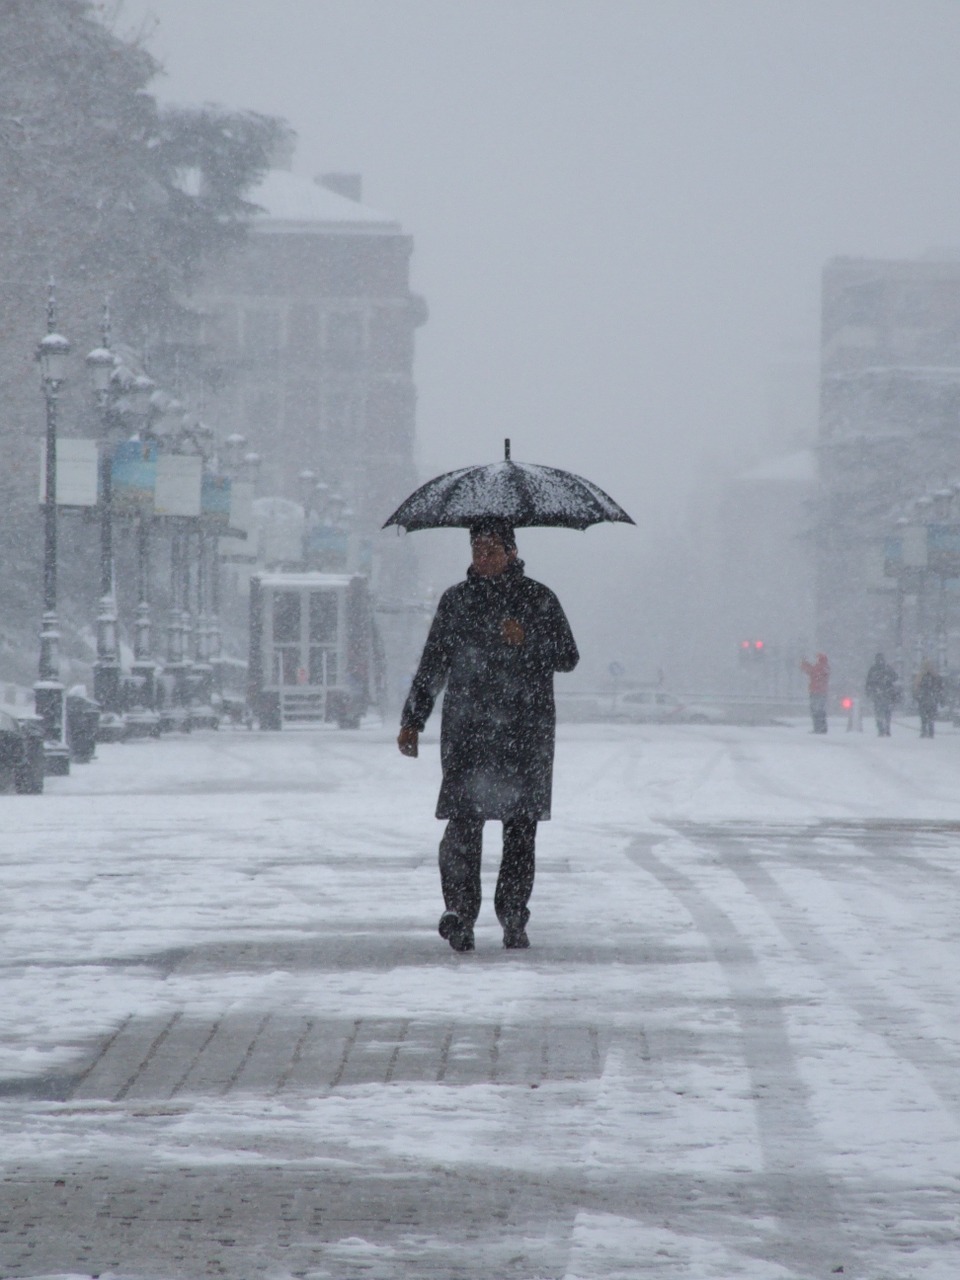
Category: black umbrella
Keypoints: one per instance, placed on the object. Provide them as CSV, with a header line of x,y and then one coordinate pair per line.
x,y
520,493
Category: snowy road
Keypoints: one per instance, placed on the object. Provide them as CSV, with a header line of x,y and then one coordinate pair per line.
x,y
232,1044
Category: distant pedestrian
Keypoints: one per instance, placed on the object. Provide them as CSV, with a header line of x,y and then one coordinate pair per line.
x,y
883,688
928,691
818,676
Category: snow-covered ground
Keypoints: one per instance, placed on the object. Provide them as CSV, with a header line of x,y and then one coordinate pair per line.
x,y
757,929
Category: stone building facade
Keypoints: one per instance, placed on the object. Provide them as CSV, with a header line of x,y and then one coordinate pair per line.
x,y
765,575
309,328
313,322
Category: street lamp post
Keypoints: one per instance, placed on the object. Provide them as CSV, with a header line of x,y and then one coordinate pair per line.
x,y
172,715
52,355
146,401
203,715
106,672
924,509
252,463
308,494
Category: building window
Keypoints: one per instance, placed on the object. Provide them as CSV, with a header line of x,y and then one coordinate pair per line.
x,y
391,340
303,332
260,413
339,426
344,339
262,334
301,413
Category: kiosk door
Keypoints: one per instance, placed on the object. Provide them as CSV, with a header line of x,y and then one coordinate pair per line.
x,y
324,623
287,638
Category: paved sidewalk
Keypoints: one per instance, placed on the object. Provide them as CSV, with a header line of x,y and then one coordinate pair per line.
x,y
232,1043
334,1214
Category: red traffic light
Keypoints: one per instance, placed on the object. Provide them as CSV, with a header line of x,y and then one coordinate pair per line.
x,y
846,703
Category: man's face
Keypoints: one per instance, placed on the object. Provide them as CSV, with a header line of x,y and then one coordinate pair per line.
x,y
489,556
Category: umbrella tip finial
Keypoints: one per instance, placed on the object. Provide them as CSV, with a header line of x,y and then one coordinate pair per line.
x,y
506,449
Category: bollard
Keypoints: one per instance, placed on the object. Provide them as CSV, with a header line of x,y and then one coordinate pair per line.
x,y
854,709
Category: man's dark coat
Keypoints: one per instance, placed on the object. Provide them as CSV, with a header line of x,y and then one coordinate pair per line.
x,y
929,692
497,734
881,683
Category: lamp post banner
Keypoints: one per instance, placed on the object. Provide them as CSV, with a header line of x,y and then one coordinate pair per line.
x,y
215,501
915,546
943,549
77,472
133,477
233,546
179,481
333,544
892,557
241,505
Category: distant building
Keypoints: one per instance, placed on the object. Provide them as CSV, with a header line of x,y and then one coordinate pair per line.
x,y
747,559
889,421
765,544
314,321
310,327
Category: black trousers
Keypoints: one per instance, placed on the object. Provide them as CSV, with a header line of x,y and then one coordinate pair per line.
x,y
460,854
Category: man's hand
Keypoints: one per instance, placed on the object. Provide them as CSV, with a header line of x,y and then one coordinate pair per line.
x,y
408,740
512,631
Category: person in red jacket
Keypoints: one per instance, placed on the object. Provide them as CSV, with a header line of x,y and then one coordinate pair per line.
x,y
818,676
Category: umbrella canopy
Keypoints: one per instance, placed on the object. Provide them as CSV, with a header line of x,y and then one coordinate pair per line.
x,y
521,493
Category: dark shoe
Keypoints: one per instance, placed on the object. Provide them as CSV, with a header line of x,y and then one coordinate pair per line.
x,y
515,937
456,931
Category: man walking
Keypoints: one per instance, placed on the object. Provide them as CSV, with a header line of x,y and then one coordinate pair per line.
x,y
495,643
881,687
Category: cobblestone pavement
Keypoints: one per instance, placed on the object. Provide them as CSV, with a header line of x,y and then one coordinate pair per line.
x,y
272,1218
268,1218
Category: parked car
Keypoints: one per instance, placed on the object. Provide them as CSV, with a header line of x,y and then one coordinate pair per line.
x,y
654,706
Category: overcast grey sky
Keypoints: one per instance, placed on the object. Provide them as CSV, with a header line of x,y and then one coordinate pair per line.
x,y
621,207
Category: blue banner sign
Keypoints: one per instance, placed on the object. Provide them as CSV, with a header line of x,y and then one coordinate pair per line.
x,y
332,544
215,500
892,556
133,477
943,549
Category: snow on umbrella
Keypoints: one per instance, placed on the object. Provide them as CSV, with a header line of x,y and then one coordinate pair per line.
x,y
521,493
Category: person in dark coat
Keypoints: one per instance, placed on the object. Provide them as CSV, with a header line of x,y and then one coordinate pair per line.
x,y
496,640
882,687
928,690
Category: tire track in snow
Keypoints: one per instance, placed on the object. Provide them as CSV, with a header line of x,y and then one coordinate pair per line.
x,y
800,1191
897,1026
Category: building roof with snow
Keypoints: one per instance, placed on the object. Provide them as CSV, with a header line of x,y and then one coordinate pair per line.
x,y
291,204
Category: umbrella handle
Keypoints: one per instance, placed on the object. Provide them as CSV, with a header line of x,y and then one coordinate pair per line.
x,y
506,449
